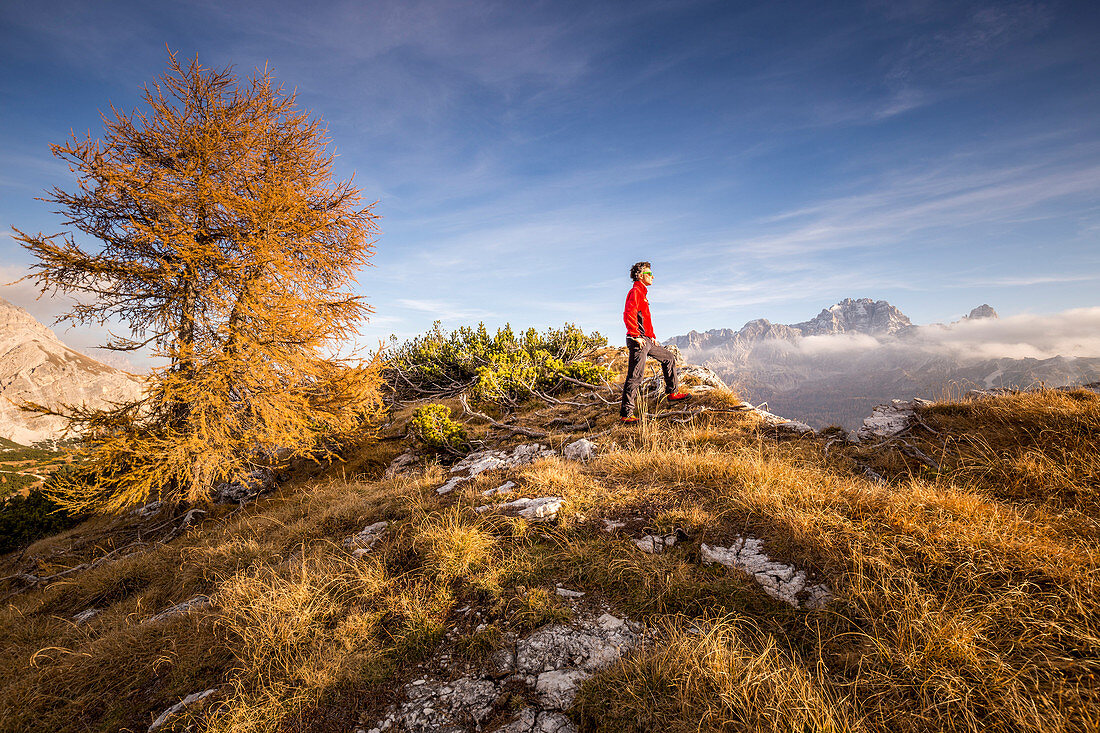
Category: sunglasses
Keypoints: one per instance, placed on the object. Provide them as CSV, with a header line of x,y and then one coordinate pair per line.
x,y
647,272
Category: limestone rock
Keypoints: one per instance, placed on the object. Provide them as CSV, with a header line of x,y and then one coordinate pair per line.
x,y
889,420
543,508
365,540
258,481
566,593
780,581
705,379
655,544
558,687
779,423
589,647
531,720
146,510
439,705
179,707
554,661
85,616
581,450
487,460
191,604
503,489
400,464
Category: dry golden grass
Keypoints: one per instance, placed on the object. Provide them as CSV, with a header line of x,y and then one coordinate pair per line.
x,y
707,674
965,601
1032,447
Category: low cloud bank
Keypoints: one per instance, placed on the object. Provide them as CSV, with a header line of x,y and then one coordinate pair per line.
x,y
1071,333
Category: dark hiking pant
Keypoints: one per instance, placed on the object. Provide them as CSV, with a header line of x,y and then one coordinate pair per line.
x,y
635,370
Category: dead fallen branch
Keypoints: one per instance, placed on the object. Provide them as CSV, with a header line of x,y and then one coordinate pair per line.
x,y
529,432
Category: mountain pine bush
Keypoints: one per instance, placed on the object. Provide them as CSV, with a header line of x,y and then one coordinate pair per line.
x,y
432,425
502,369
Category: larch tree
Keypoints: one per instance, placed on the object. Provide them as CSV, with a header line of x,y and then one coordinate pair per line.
x,y
223,242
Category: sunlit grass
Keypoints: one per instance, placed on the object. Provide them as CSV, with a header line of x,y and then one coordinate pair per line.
x,y
965,601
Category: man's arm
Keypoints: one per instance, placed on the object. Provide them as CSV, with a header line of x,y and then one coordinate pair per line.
x,y
630,314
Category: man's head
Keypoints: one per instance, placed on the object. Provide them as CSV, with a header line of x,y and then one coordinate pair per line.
x,y
642,271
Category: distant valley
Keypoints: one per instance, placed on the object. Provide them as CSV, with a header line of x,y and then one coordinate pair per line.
x,y
834,368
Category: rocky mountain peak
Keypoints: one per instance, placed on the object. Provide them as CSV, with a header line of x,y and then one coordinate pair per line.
x,y
982,311
850,315
16,324
35,366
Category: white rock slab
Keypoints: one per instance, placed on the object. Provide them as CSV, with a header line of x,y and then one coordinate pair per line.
x,y
504,489
85,616
887,421
777,422
566,593
780,581
477,463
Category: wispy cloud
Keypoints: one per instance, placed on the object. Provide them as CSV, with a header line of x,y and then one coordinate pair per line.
x,y
942,200
443,311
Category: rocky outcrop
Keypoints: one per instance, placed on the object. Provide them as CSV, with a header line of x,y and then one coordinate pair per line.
x,y
539,509
889,420
35,366
257,482
489,460
583,450
782,424
547,666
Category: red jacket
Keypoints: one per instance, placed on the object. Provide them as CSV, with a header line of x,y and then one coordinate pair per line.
x,y
636,313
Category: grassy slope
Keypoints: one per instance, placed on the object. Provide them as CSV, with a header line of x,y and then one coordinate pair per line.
x,y
967,596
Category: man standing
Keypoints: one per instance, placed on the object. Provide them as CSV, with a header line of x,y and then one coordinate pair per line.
x,y
642,343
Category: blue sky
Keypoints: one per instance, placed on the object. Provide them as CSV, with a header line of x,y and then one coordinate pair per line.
x,y
769,159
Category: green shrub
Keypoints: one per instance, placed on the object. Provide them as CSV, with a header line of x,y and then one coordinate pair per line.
x,y
24,519
433,426
499,369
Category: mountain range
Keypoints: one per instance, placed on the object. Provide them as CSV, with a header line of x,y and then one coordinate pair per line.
x,y
834,368
35,366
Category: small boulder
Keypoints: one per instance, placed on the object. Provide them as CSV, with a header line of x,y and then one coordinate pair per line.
x,y
504,489
655,544
582,450
400,464
366,538
258,481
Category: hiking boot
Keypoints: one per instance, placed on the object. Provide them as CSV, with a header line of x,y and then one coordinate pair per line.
x,y
677,396
628,420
